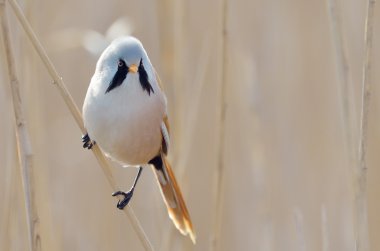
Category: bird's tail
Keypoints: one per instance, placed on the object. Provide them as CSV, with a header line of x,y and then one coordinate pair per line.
x,y
172,196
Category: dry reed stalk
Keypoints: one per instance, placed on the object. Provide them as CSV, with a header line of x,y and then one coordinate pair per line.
x,y
346,97
194,109
24,147
345,87
178,77
219,172
78,117
6,237
9,176
362,236
168,57
8,192
198,82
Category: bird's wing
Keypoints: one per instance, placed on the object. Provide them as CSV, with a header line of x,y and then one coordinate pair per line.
x,y
170,190
165,135
165,128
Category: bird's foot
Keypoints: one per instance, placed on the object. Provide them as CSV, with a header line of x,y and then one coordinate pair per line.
x,y
87,143
127,197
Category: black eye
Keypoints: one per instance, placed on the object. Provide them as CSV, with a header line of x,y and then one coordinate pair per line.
x,y
121,63
120,75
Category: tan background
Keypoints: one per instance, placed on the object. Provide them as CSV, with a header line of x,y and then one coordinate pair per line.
x,y
287,181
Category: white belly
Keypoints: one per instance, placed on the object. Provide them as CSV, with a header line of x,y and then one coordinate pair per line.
x,y
125,122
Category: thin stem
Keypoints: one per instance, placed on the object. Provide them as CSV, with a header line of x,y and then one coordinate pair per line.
x,y
219,179
182,162
345,88
361,193
48,64
347,103
191,121
78,117
24,148
9,191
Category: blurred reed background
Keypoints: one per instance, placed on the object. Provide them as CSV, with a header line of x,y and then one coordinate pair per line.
x,y
260,140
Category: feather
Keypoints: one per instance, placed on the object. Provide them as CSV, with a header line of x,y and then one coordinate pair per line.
x,y
172,195
170,190
165,136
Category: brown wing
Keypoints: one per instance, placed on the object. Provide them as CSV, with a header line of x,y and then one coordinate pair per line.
x,y
170,190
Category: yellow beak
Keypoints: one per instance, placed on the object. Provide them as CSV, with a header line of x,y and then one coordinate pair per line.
x,y
132,68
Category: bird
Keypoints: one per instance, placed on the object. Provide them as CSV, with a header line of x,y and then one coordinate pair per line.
x,y
125,114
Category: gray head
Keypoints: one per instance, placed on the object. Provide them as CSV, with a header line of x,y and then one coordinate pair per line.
x,y
129,49
124,56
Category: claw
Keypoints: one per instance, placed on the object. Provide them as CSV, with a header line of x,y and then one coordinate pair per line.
x,y
127,197
87,142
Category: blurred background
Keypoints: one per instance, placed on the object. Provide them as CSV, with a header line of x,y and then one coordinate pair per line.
x,y
258,130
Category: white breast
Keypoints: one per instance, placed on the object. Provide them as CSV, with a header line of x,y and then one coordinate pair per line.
x,y
125,122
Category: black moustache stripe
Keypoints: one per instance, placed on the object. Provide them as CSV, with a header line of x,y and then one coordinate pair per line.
x,y
121,74
119,77
143,76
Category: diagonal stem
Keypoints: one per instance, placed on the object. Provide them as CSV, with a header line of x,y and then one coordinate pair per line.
x,y
77,116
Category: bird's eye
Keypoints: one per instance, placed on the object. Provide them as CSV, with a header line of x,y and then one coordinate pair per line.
x,y
121,63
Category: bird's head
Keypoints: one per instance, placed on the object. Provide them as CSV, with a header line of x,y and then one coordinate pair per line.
x,y
125,56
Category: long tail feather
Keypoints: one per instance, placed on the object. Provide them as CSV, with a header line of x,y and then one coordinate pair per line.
x,y
172,196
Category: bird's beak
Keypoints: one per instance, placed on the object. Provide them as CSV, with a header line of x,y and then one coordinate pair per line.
x,y
132,68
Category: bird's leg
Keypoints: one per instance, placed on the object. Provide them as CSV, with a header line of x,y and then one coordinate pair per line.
x,y
87,143
127,195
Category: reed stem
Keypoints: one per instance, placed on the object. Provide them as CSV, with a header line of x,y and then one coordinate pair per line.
x,y
362,238
219,172
57,80
24,148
